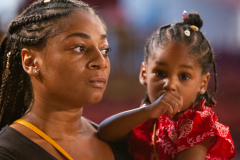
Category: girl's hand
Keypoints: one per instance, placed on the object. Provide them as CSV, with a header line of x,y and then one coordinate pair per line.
x,y
118,126
168,103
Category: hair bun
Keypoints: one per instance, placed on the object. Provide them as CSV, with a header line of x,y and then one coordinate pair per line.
x,y
193,19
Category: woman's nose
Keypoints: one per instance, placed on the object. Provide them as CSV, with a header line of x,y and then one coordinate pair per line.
x,y
98,61
169,84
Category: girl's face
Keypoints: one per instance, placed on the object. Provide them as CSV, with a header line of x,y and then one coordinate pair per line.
x,y
171,68
74,67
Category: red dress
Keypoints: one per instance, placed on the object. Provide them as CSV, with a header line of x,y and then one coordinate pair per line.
x,y
183,131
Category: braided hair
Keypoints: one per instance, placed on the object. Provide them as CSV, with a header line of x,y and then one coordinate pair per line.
x,y
199,47
31,28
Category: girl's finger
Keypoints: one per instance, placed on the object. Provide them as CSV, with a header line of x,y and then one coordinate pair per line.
x,y
168,107
174,102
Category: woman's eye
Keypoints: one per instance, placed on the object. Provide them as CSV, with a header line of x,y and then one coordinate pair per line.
x,y
184,77
160,73
106,51
78,49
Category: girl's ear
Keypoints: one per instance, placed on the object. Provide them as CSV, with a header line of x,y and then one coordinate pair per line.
x,y
143,74
204,83
29,61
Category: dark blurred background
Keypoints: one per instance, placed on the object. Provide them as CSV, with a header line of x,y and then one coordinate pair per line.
x,y
130,22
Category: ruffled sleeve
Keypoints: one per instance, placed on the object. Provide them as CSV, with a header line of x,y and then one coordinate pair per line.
x,y
200,123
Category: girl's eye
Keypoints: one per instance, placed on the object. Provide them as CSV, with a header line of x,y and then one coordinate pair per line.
x,y
106,51
78,49
160,73
184,77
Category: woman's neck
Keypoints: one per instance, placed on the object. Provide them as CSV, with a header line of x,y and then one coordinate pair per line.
x,y
57,120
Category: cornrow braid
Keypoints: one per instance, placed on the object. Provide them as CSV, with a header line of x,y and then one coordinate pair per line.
x,y
162,40
199,46
32,19
31,28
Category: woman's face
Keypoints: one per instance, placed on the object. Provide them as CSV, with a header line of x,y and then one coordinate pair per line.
x,y
74,66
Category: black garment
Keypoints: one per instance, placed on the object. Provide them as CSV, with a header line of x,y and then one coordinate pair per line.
x,y
15,146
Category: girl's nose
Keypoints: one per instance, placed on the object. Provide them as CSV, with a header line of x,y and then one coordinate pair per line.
x,y
98,61
169,84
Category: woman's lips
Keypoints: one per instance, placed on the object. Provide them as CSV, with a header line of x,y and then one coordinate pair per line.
x,y
98,82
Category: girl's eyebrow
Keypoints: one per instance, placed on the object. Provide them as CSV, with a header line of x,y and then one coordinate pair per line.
x,y
181,66
161,63
83,35
187,66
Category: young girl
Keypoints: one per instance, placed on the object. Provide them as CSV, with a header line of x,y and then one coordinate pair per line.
x,y
176,120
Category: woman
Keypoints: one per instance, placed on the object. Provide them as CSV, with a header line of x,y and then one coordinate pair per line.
x,y
54,61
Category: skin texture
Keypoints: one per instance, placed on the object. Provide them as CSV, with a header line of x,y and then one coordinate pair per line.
x,y
173,79
73,73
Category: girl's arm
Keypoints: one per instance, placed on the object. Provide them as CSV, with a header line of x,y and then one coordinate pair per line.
x,y
197,152
118,126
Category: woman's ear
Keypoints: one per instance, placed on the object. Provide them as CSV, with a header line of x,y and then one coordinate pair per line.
x,y
29,61
204,83
143,74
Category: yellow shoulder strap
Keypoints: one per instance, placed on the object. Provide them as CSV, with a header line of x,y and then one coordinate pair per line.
x,y
44,136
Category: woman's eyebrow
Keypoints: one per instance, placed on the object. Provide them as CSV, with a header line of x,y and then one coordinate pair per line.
x,y
103,36
83,35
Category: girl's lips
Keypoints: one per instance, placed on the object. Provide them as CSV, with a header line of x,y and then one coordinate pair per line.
x,y
98,82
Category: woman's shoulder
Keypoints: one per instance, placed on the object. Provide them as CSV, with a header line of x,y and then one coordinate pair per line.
x,y
119,149
14,145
